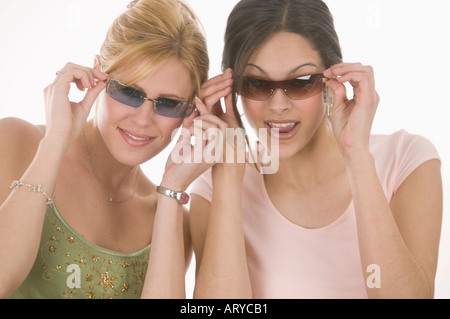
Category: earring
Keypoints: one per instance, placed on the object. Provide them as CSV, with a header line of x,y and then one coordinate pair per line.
x,y
328,100
328,110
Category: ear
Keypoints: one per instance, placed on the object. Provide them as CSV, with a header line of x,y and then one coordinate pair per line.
x,y
97,62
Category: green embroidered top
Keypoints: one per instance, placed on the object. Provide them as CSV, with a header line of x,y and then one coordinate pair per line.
x,y
69,266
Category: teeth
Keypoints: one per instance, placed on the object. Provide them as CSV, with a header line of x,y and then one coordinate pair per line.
x,y
136,138
280,125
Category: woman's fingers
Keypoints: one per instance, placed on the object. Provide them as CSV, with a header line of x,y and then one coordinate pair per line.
x,y
218,82
212,122
211,119
83,77
360,77
99,75
212,100
64,117
201,107
215,89
339,92
354,73
352,119
92,94
187,122
208,135
230,112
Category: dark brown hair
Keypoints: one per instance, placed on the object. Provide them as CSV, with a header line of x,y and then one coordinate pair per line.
x,y
252,22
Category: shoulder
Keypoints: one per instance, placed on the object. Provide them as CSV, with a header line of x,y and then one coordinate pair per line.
x,y
17,130
400,143
399,154
19,140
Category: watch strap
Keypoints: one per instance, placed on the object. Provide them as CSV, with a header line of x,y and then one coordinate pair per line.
x,y
182,197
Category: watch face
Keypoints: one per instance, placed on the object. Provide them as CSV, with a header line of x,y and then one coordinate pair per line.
x,y
184,198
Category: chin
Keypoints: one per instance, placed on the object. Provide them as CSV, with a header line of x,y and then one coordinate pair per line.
x,y
134,158
130,161
287,151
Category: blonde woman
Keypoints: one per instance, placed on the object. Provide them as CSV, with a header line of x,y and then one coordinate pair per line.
x,y
78,218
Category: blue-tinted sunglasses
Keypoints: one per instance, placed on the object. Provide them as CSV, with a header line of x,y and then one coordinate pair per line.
x,y
134,97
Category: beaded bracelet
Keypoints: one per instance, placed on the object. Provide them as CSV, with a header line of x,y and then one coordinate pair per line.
x,y
33,188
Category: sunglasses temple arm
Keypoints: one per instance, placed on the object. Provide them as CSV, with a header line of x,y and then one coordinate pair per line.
x,y
325,79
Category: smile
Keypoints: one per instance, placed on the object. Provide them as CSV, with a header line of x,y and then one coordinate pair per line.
x,y
138,138
136,141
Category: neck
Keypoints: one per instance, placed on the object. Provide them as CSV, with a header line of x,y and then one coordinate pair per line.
x,y
117,180
319,161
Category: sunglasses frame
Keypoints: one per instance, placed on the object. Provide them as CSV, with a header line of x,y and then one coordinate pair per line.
x,y
282,85
142,97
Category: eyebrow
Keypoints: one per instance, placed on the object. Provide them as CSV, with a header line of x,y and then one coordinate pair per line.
x,y
291,72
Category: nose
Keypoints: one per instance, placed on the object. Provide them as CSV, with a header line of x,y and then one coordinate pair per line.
x,y
279,101
145,114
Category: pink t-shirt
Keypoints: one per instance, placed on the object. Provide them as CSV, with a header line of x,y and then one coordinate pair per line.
x,y
286,260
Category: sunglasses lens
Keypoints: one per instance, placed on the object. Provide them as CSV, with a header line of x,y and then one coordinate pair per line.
x,y
173,108
125,94
296,89
256,89
304,87
133,97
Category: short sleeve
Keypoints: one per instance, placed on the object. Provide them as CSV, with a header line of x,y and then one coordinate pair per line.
x,y
202,186
411,152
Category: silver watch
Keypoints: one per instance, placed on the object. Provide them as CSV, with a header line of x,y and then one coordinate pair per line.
x,y
182,197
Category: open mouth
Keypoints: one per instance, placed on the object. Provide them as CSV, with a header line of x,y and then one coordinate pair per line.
x,y
282,130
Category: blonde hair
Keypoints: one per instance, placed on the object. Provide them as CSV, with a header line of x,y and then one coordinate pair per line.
x,y
152,32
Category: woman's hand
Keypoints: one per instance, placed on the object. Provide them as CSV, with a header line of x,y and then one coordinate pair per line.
x,y
215,89
186,161
352,119
66,119
219,132
211,93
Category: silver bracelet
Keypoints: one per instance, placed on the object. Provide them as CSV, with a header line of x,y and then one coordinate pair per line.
x,y
33,188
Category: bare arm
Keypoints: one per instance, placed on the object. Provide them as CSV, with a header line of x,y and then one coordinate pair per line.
x,y
171,247
170,253
402,237
27,158
217,228
218,239
22,212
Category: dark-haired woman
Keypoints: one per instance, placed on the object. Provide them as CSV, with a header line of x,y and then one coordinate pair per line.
x,y
348,214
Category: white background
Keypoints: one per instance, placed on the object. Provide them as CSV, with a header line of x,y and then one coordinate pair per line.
x,y
407,43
